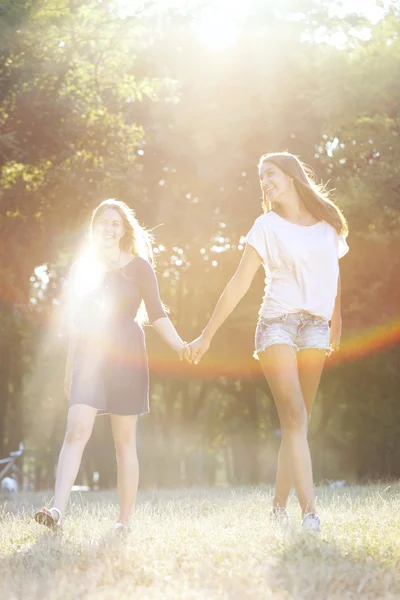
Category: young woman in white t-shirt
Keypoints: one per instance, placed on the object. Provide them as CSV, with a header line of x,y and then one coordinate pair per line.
x,y
298,239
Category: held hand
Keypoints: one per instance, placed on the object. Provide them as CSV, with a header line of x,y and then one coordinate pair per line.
x,y
198,347
184,352
335,335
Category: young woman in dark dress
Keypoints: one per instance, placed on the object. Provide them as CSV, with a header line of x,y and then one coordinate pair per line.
x,y
106,366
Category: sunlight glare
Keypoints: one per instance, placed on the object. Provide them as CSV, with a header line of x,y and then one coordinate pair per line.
x,y
371,9
216,31
87,277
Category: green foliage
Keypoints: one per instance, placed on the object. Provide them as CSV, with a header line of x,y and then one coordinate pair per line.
x,y
97,100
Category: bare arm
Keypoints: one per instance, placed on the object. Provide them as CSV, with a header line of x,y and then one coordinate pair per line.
x,y
73,339
169,334
72,330
336,321
234,291
230,297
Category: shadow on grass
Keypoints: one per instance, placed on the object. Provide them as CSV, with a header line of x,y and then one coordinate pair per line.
x,y
48,564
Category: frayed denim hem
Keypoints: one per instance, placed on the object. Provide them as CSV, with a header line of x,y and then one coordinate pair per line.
x,y
268,344
328,351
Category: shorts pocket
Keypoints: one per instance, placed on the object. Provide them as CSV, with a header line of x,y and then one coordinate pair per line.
x,y
320,321
261,330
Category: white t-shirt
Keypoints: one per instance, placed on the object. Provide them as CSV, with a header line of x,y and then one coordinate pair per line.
x,y
301,265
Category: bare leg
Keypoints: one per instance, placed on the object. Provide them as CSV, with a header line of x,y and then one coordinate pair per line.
x,y
124,432
279,363
79,429
310,365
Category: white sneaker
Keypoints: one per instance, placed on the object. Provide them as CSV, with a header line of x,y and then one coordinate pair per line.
x,y
311,522
279,516
120,529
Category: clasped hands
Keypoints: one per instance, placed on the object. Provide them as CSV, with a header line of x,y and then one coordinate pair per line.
x,y
193,352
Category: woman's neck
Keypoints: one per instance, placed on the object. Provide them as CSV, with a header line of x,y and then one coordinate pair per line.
x,y
111,255
290,207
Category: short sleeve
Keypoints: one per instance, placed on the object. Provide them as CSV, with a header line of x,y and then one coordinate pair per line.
x,y
343,247
257,239
150,293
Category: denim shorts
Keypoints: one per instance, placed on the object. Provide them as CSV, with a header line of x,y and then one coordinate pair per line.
x,y
300,330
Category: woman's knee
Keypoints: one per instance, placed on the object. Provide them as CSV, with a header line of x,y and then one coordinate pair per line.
x,y
125,450
77,434
124,433
294,418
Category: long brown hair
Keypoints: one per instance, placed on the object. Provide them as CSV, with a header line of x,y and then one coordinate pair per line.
x,y
314,196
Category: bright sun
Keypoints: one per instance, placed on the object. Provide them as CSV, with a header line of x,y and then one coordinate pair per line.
x,y
218,25
216,31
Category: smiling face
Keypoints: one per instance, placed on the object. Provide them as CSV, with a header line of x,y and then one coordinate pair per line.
x,y
274,182
108,229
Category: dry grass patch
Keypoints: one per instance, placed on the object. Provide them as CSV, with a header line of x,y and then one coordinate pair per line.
x,y
208,544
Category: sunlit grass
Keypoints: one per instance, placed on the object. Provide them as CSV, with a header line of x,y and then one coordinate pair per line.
x,y
205,544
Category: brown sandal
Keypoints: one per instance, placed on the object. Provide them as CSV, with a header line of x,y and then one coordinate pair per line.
x,y
44,517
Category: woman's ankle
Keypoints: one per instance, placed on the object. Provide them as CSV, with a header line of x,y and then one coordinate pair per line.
x,y
309,509
279,502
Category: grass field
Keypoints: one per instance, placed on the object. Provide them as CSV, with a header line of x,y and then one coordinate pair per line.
x,y
204,544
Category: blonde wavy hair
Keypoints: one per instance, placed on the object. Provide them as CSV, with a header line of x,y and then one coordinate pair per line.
x,y
314,196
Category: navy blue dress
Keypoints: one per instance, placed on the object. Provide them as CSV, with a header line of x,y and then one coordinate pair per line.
x,y
110,370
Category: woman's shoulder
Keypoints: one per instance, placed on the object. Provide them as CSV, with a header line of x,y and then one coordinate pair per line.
x,y
265,220
329,229
138,261
138,265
